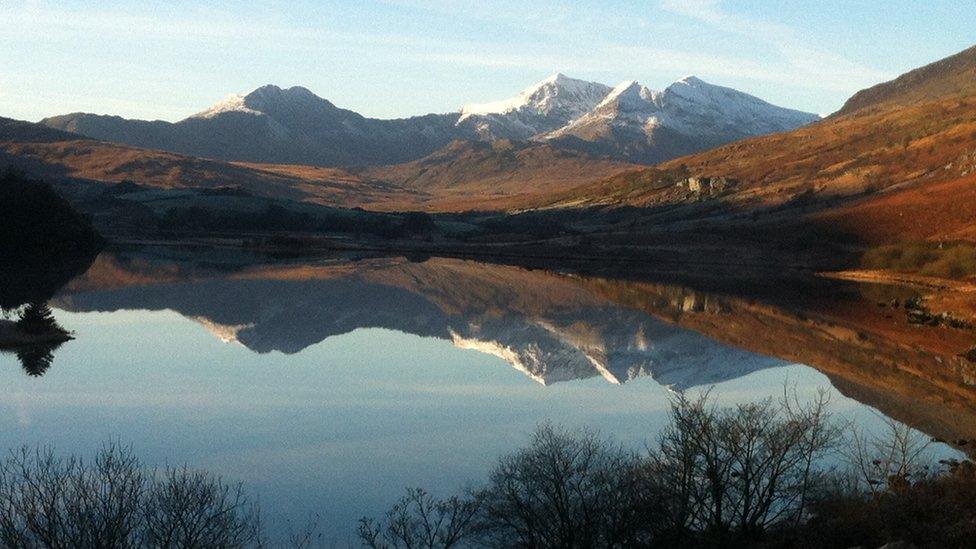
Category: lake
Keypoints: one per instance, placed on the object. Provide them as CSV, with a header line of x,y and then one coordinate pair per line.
x,y
328,386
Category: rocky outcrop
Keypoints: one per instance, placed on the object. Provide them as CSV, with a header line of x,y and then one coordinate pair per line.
x,y
707,186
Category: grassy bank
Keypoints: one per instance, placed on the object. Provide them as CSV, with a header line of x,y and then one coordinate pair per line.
x,y
946,260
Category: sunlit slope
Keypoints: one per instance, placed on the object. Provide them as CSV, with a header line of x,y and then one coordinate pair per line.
x,y
909,152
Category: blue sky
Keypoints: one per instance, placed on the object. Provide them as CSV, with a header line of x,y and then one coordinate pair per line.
x,y
393,58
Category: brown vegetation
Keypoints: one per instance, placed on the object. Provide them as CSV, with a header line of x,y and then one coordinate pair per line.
x,y
494,176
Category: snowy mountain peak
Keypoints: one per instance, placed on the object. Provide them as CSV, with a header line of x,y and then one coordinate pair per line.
x,y
555,78
552,93
259,100
693,114
232,103
629,95
542,107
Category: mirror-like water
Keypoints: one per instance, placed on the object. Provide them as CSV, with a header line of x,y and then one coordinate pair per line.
x,y
329,387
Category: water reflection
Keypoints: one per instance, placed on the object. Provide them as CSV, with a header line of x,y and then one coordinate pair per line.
x,y
548,327
27,286
329,386
36,359
556,327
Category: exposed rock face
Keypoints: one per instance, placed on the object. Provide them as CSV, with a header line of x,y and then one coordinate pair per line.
x,y
708,186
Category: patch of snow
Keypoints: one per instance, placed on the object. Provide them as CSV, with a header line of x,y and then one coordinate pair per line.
x,y
232,103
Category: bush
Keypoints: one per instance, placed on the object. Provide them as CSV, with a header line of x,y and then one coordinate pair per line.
x,y
115,501
927,258
419,520
566,489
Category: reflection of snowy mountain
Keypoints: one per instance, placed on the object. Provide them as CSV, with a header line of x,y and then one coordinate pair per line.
x,y
544,325
617,344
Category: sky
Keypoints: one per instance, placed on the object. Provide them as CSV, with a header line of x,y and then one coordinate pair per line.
x,y
398,58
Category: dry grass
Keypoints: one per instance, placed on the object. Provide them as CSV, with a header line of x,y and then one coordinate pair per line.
x,y
927,258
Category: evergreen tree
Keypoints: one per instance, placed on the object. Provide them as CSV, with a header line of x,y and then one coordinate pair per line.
x,y
37,318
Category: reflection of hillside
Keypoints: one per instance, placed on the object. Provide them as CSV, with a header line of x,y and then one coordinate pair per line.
x,y
870,353
556,327
543,324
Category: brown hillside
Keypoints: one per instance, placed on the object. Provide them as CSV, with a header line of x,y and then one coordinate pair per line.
x,y
881,174
463,176
952,76
478,175
52,153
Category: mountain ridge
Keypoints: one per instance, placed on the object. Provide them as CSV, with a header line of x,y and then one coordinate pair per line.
x,y
274,125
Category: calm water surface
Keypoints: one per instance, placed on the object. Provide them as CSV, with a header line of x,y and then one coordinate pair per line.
x,y
330,387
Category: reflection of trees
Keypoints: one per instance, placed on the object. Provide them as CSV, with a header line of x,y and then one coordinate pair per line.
x,y
38,319
36,336
36,359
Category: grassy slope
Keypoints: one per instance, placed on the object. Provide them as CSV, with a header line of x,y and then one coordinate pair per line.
x,y
503,175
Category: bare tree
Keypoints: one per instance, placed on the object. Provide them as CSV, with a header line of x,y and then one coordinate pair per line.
x,y
739,471
46,501
887,460
419,520
185,508
307,536
114,501
566,489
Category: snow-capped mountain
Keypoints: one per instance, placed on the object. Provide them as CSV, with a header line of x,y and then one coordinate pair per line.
x,y
544,107
234,102
295,126
691,115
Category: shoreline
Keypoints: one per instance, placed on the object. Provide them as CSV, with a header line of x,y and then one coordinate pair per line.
x,y
901,279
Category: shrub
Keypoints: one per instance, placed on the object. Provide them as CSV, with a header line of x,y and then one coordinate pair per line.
x,y
566,489
718,477
36,222
928,258
115,501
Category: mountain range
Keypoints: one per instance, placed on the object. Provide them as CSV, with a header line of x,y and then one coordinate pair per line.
x,y
294,126
897,163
